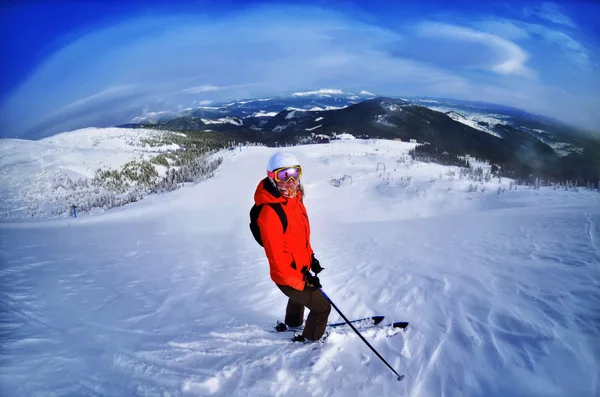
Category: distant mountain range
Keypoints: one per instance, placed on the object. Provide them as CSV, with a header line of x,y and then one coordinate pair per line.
x,y
525,143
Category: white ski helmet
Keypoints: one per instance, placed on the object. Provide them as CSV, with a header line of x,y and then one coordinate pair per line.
x,y
281,159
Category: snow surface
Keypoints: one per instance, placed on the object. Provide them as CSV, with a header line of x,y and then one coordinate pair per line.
x,y
382,119
262,113
560,148
344,136
315,108
314,128
171,296
392,107
254,100
223,120
564,149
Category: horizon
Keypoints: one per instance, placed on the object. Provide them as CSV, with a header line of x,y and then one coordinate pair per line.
x,y
101,64
208,104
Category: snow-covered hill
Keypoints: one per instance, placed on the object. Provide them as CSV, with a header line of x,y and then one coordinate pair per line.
x,y
171,296
32,171
479,121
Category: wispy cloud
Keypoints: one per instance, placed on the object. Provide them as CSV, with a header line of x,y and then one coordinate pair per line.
x,y
504,28
550,12
200,89
571,48
534,36
476,49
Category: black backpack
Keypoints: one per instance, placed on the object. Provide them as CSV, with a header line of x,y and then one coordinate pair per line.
x,y
255,212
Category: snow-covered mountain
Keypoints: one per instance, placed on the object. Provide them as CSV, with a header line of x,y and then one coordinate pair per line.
x,y
316,100
171,296
516,152
493,119
489,118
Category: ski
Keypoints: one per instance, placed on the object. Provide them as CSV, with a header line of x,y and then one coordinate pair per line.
x,y
362,322
399,324
368,321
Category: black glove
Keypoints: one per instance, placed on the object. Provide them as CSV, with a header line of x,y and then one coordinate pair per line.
x,y
312,282
315,266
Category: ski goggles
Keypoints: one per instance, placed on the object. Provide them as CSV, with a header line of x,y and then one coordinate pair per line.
x,y
285,174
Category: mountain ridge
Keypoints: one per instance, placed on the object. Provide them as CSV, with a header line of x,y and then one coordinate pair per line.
x,y
520,151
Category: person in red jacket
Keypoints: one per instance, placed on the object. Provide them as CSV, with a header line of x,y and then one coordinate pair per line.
x,y
290,254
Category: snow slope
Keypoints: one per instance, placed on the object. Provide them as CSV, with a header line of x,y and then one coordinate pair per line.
x,y
171,296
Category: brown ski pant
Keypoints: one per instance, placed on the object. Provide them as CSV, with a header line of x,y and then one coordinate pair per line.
x,y
315,302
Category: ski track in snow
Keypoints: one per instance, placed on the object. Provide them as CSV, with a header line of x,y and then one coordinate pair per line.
x,y
172,297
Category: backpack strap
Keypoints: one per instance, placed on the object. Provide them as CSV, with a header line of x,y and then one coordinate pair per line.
x,y
255,212
269,187
281,213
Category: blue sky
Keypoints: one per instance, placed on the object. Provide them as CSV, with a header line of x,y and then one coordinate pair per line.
x,y
68,65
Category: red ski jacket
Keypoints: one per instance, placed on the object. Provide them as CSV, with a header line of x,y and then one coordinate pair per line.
x,y
287,253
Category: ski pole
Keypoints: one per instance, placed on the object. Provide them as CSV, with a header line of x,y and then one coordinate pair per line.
x,y
400,377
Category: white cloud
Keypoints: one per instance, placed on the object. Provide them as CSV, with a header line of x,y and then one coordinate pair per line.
x,y
529,35
574,50
551,12
508,58
322,91
502,28
200,89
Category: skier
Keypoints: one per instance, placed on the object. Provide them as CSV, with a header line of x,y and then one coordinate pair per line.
x,y
283,229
